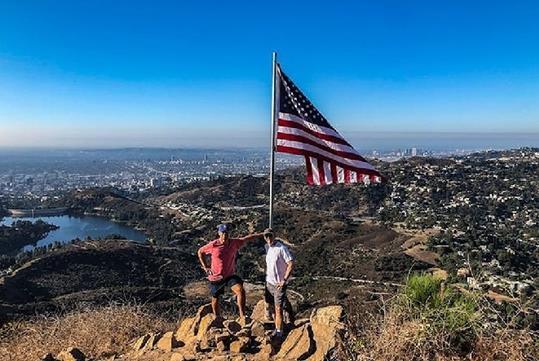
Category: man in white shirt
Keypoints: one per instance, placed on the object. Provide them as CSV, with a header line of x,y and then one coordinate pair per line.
x,y
279,265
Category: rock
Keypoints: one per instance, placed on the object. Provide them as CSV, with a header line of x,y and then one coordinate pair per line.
x,y
167,342
152,340
207,331
265,350
184,332
71,354
257,329
232,326
176,356
48,357
259,312
244,332
300,322
240,345
221,346
189,328
238,358
140,342
298,345
325,324
222,337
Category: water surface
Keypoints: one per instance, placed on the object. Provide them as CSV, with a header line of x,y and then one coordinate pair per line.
x,y
78,227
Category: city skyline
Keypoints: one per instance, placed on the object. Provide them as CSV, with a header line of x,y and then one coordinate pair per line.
x,y
130,74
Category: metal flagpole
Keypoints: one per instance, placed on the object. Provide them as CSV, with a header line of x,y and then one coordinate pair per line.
x,y
272,159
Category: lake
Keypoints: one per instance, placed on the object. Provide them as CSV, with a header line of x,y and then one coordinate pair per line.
x,y
78,227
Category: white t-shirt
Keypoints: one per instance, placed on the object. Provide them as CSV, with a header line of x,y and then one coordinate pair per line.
x,y
277,258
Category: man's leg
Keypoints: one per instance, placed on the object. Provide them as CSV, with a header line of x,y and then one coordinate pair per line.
x,y
288,308
215,306
216,290
240,297
269,308
278,318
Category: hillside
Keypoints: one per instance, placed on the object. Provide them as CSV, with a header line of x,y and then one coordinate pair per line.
x,y
470,221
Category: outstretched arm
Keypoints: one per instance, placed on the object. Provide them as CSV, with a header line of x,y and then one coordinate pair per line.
x,y
251,237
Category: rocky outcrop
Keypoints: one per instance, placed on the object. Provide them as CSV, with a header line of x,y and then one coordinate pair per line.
x,y
205,337
71,354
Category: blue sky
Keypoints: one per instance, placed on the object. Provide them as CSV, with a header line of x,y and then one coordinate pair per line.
x,y
173,73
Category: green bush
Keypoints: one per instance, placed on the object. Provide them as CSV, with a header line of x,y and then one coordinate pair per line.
x,y
422,290
447,313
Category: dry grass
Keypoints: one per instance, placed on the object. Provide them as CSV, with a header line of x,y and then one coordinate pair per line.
x,y
95,331
393,337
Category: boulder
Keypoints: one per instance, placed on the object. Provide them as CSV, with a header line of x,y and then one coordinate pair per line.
x,y
221,346
207,331
176,356
140,342
257,329
152,340
298,345
265,351
167,342
326,325
71,354
222,337
259,312
189,328
48,357
184,332
240,345
232,326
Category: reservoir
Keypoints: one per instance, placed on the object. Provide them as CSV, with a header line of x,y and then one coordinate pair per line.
x,y
71,227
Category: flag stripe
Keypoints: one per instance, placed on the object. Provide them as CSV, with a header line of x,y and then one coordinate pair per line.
x,y
292,124
316,173
328,175
340,174
304,140
334,177
321,171
315,127
309,170
291,150
314,149
325,142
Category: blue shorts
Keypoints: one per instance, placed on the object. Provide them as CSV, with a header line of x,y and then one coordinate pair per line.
x,y
217,288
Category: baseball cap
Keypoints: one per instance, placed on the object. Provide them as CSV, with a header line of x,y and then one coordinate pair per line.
x,y
222,228
268,232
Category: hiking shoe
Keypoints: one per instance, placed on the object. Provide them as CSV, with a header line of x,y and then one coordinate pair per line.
x,y
277,337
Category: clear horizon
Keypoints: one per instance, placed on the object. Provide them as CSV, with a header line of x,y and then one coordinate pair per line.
x,y
127,74
368,141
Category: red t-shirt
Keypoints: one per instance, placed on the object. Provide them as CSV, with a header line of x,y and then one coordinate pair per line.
x,y
223,257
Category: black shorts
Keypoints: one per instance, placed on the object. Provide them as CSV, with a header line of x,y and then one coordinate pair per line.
x,y
217,288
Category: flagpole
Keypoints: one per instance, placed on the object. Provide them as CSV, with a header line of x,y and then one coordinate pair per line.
x,y
272,158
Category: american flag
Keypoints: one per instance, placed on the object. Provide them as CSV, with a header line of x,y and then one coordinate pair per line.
x,y
302,130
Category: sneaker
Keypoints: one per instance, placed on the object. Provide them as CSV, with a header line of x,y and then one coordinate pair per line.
x,y
277,337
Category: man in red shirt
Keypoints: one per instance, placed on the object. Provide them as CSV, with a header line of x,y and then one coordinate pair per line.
x,y
222,271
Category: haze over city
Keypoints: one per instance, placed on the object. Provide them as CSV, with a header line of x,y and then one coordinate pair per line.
x,y
386,74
